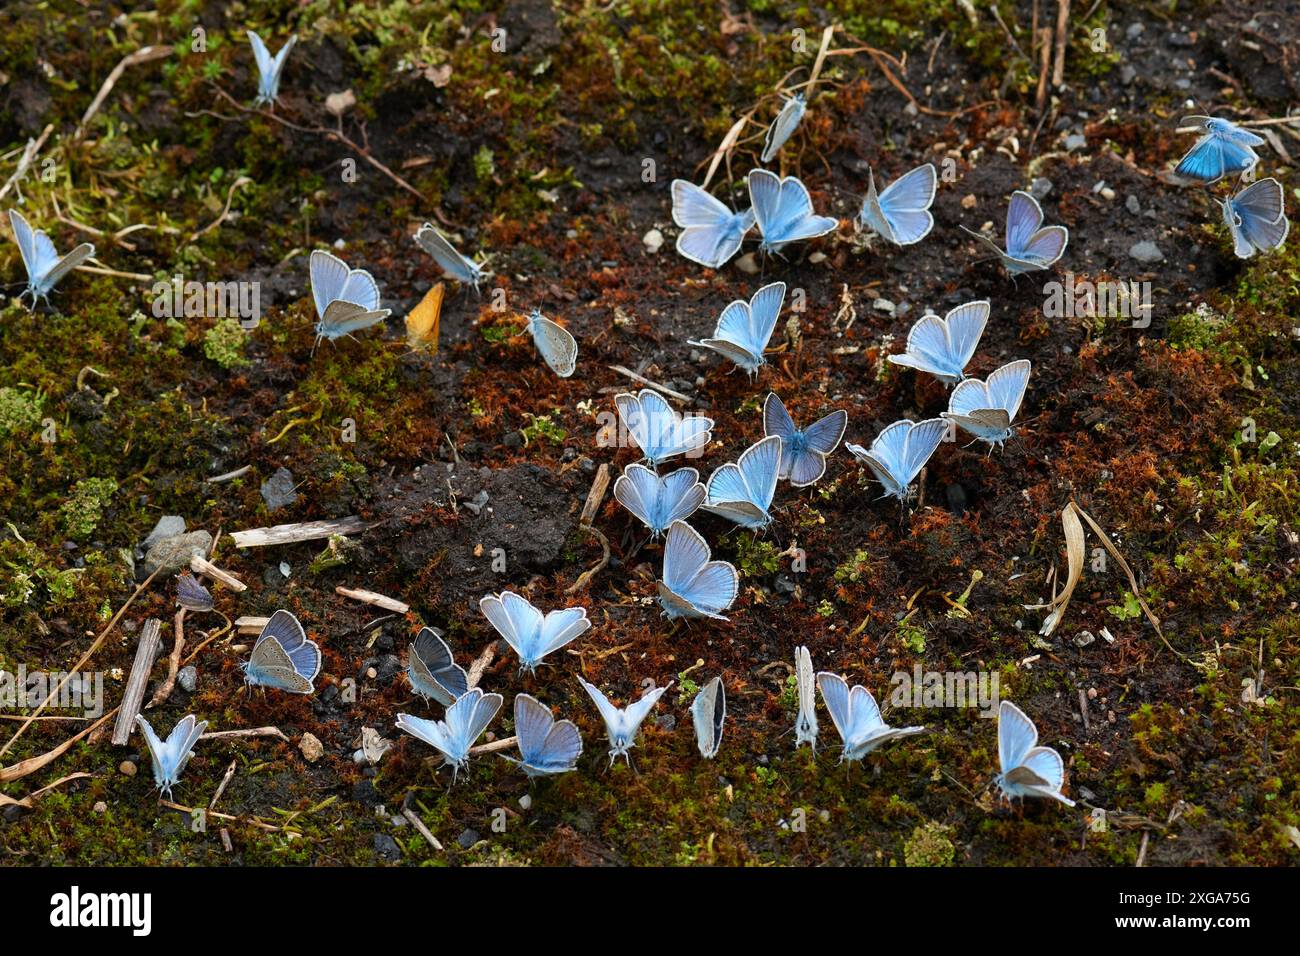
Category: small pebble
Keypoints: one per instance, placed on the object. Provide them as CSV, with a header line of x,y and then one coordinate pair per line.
x,y
653,240
188,678
525,802
1146,251
311,747
127,768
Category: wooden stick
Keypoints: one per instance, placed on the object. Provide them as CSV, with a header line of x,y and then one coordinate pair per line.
x,y
250,625
414,819
1062,31
29,153
480,665
201,565
1045,59
221,787
247,732
378,600
173,663
143,55
189,811
645,381
32,764
145,653
293,533
595,496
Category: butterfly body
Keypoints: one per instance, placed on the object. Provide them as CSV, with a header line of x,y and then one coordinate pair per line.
x,y
1027,770
530,633
711,233
803,451
1256,218
944,347
856,716
463,723
899,453
170,756
693,585
546,746
283,658
622,724
986,409
657,500
744,328
45,268
901,211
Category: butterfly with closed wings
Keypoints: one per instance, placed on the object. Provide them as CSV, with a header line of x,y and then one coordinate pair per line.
x,y
554,343
783,127
45,268
456,265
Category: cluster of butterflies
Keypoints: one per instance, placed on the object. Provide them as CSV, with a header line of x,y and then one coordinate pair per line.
x,y
283,658
1256,215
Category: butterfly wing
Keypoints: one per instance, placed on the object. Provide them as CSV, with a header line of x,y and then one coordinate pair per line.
x,y
1046,246
696,585
929,349
708,713
343,318
680,494
433,670
764,310
1024,217
555,344
435,733
783,127
635,713
277,65
610,714
760,464
453,263
965,327
562,627
905,205
638,490
26,239
1006,387
265,69
805,684
820,439
1017,735
158,754
835,695
1256,218
776,420
923,439
329,274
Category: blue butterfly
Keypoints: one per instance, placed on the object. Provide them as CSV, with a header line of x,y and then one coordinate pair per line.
x,y
622,725
742,491
805,726
546,746
943,347
554,342
268,69
856,716
169,757
692,584
41,259
457,266
1030,244
901,213
462,724
283,657
744,328
711,233
1224,149
783,127
347,300
987,409
660,432
803,451
784,211
656,501
433,671
1027,769
900,452
708,712
1256,218
192,595
531,634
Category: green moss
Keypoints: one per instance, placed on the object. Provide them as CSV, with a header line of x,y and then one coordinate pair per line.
x,y
929,845
84,509
20,412
225,342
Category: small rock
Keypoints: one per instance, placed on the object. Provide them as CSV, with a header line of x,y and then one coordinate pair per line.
x,y
386,847
478,502
100,807
667,722
188,678
653,240
1134,31
339,103
127,768
1146,251
747,264
1132,205
278,491
1127,74
1084,638
173,554
467,838
311,747
969,201
525,802
884,305
1040,187
1075,141
168,526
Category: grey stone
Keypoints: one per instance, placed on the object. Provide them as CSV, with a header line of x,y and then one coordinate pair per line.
x,y
1040,187
1146,251
168,526
188,678
173,554
467,838
277,491
386,847
1132,205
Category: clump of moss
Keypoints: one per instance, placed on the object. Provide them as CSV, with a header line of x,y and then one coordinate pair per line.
x,y
929,846
82,512
544,427
19,412
224,344
485,166
1195,330
756,558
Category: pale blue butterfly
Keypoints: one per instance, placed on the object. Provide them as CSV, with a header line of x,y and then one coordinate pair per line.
x,y
44,267
693,585
1030,244
659,501
900,451
269,69
708,712
433,671
856,716
742,491
1027,769
943,347
1224,149
805,725
659,431
803,451
987,409
347,300
744,328
901,212
1256,218
530,633
170,756
462,724
711,233
556,346
546,746
457,266
784,211
283,657
783,127
622,724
